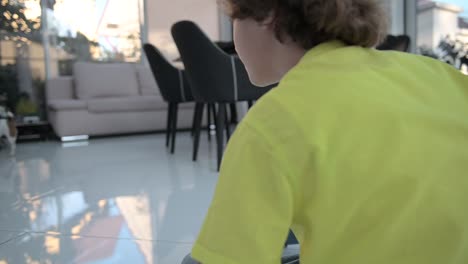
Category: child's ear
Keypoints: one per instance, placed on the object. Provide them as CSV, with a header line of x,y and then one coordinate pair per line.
x,y
268,22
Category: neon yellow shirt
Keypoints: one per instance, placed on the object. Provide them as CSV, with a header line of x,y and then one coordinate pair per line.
x,y
364,154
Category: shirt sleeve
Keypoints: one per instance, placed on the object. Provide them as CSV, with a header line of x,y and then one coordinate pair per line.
x,y
252,210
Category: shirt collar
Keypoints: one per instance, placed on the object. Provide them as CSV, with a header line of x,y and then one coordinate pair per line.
x,y
322,49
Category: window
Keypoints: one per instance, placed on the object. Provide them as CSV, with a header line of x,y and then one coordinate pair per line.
x,y
162,14
443,31
93,30
22,68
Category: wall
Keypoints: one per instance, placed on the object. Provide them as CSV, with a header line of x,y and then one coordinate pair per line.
x,y
162,14
396,14
463,35
445,23
225,27
436,21
426,28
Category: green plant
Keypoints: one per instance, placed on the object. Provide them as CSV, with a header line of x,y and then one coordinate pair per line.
x,y
9,84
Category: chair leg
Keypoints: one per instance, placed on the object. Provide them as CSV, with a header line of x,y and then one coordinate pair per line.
x,y
228,125
220,123
169,123
213,113
198,122
208,114
174,126
192,132
233,108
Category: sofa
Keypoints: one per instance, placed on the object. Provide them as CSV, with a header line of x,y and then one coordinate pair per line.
x,y
108,99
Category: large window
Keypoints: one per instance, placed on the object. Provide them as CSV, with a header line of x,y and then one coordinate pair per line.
x,y
93,30
402,19
41,39
443,31
22,65
162,14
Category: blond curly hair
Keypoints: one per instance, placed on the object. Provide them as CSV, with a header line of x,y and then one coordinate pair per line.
x,y
312,22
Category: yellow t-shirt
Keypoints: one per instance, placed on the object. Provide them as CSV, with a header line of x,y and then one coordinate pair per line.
x,y
363,153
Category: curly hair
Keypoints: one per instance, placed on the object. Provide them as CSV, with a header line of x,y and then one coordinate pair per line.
x,y
312,22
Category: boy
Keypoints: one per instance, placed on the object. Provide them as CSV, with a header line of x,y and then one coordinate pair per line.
x,y
363,153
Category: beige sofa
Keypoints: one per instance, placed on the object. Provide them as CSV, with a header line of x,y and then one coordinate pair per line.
x,y
106,99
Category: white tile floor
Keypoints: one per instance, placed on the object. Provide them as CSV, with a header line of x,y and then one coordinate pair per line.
x,y
111,200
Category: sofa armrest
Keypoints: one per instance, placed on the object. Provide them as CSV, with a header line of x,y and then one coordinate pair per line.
x,y
59,88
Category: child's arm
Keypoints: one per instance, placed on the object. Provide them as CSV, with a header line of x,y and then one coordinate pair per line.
x,y
252,210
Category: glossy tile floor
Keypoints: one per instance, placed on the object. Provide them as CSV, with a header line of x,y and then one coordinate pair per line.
x,y
111,200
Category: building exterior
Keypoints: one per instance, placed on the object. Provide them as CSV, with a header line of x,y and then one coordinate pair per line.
x,y
439,20
463,29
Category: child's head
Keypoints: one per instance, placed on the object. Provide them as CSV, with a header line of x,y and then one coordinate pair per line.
x,y
261,27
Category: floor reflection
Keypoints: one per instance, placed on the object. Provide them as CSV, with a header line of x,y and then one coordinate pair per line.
x,y
40,248
110,201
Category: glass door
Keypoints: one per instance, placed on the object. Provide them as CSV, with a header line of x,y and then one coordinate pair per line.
x,y
93,30
22,68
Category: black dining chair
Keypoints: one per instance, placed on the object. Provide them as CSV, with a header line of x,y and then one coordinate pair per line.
x,y
215,77
395,43
174,87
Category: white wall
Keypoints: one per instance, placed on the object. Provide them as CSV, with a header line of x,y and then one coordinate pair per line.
x,y
225,27
397,17
426,28
162,14
435,21
395,12
463,35
445,23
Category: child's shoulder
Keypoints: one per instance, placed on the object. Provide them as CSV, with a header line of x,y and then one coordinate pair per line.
x,y
273,114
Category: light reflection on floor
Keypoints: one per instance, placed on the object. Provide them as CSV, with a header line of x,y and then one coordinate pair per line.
x,y
112,200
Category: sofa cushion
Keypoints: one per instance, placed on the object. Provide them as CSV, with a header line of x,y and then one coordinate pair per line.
x,y
126,104
148,85
67,105
101,80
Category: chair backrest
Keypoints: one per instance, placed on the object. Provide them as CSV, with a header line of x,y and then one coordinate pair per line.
x,y
398,43
172,82
215,76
